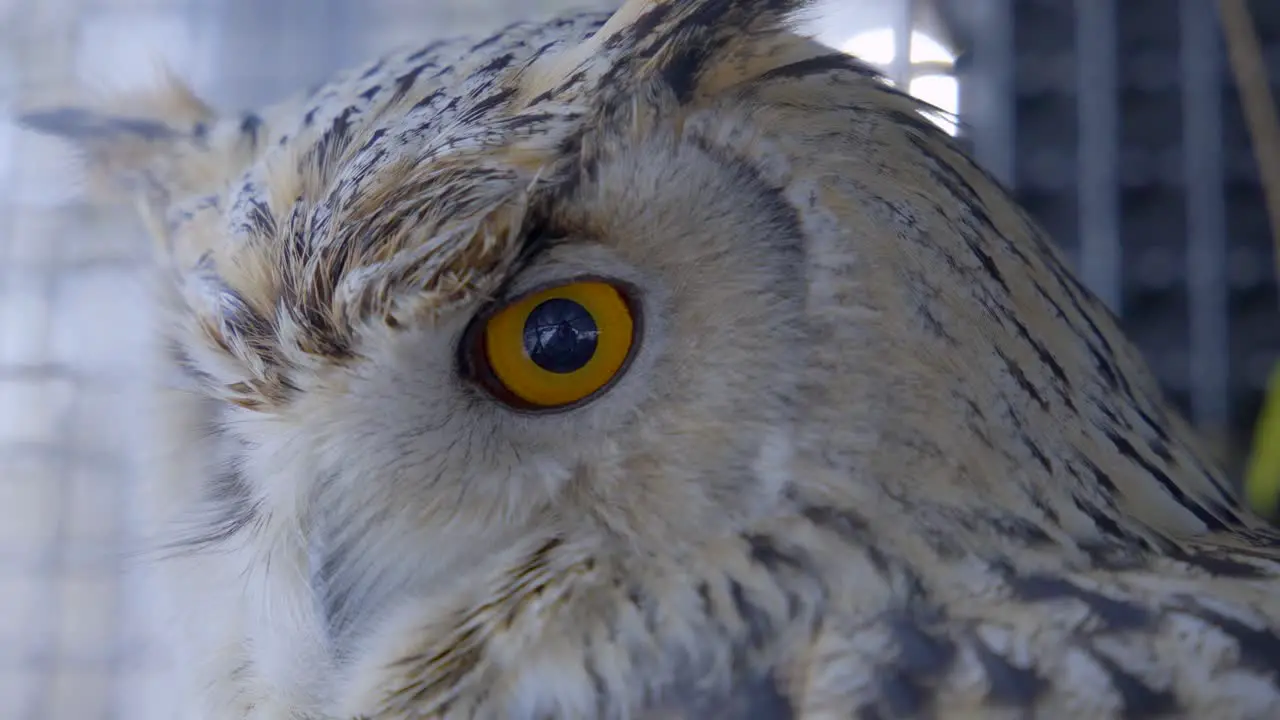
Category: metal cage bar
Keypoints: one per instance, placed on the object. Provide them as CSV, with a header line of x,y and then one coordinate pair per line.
x,y
1207,283
1097,155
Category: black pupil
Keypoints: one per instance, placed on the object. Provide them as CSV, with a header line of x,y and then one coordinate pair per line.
x,y
560,335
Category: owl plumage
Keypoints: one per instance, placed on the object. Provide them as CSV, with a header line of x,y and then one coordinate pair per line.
x,y
874,450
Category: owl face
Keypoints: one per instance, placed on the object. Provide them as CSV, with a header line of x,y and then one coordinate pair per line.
x,y
476,338
627,378
639,357
535,291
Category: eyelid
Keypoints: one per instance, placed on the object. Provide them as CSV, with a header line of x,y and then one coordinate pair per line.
x,y
506,298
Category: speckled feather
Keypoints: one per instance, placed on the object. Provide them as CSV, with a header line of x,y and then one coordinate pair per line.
x,y
881,454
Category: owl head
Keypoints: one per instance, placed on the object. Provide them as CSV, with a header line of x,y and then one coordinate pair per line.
x,y
628,287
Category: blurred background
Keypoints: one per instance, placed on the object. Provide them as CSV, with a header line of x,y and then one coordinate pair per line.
x,y
1117,122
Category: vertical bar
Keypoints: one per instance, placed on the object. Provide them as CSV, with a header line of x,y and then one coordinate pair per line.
x,y
1097,188
1207,285
903,22
987,92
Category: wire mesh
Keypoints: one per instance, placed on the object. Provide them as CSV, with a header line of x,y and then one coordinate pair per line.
x,y
1118,126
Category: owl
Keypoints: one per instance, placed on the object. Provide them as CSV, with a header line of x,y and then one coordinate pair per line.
x,y
656,364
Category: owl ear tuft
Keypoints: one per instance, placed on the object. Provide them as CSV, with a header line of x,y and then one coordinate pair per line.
x,y
683,46
140,144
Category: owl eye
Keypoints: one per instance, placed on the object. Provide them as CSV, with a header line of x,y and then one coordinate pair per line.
x,y
555,347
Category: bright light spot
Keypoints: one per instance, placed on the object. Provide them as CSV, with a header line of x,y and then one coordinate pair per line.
x,y
942,92
876,47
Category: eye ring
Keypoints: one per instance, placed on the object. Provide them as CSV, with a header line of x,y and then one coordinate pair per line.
x,y
594,325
